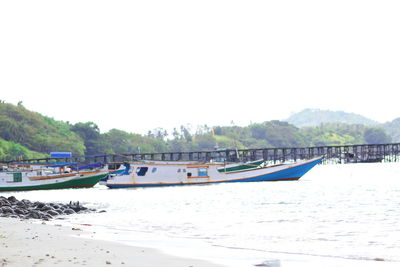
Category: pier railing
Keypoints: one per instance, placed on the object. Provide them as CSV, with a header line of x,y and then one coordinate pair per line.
x,y
332,155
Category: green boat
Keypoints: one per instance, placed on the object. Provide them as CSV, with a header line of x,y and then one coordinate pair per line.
x,y
242,166
19,178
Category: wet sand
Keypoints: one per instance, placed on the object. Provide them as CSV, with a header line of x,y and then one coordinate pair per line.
x,y
25,243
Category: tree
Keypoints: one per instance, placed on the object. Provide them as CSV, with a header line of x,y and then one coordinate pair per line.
x,y
375,135
90,134
186,133
158,133
204,142
277,133
121,142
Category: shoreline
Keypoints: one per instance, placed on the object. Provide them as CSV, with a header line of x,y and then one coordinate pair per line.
x,y
28,243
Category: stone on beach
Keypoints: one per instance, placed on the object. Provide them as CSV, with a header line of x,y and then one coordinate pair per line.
x,y
11,207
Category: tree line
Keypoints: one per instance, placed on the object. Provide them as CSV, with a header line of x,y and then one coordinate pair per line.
x,y
27,134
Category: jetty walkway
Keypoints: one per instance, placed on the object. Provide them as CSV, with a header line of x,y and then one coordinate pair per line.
x,y
340,154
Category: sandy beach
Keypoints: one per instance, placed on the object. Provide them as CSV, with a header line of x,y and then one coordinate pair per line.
x,y
28,243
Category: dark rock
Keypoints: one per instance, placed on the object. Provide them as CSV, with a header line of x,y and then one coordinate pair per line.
x,y
22,205
12,199
5,202
19,211
7,209
59,211
26,201
75,206
33,215
55,206
53,213
39,205
46,208
12,207
69,211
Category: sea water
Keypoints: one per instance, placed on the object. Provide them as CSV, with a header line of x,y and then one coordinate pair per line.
x,y
336,215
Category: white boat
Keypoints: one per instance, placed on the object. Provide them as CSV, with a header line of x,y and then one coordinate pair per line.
x,y
152,173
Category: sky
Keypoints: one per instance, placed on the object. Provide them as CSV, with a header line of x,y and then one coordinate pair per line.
x,y
139,65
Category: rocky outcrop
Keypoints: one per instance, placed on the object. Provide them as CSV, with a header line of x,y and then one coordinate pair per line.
x,y
26,209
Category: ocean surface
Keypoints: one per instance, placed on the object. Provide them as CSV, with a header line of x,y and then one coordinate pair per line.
x,y
336,215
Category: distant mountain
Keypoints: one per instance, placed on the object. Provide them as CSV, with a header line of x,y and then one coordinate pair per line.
x,y
314,117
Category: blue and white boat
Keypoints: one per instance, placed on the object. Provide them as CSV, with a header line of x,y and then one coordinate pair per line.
x,y
153,173
123,169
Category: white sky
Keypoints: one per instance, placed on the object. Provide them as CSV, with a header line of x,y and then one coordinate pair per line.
x,y
138,65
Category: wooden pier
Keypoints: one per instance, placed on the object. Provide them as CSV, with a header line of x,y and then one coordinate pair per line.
x,y
331,154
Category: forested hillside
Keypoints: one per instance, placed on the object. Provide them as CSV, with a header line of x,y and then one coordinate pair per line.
x,y
29,131
11,150
27,134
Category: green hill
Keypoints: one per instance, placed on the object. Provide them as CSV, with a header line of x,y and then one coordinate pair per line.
x,y
10,151
27,134
314,117
35,132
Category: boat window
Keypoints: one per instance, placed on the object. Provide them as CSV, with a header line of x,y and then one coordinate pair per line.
x,y
141,171
202,172
184,170
17,177
154,170
189,174
179,170
113,166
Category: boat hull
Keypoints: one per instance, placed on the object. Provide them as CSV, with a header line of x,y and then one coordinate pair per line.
x,y
279,173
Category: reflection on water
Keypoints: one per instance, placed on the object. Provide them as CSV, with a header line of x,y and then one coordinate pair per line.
x,y
341,215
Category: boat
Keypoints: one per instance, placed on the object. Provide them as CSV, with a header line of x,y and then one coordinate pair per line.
x,y
242,166
153,173
28,176
116,169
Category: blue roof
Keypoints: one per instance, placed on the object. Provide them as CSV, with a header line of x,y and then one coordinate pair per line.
x,y
60,154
